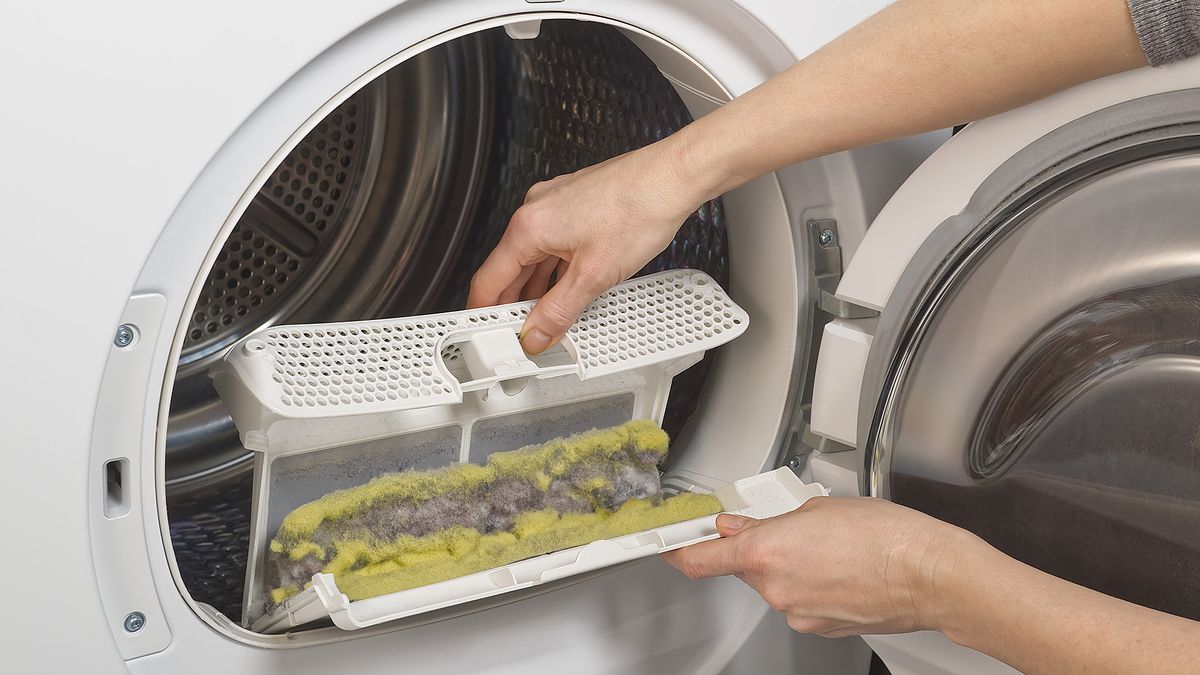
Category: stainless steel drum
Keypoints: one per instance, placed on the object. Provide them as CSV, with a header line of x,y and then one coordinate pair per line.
x,y
386,209
364,217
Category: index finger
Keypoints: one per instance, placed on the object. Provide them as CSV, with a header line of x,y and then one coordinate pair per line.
x,y
715,558
498,272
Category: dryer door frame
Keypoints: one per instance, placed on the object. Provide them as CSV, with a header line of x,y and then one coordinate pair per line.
x,y
975,180
949,186
1141,129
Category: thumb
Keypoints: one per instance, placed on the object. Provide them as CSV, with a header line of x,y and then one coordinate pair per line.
x,y
729,524
557,310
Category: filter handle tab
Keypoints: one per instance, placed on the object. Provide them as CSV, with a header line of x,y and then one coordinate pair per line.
x,y
493,355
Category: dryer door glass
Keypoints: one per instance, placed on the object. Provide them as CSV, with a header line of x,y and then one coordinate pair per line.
x,y
1046,392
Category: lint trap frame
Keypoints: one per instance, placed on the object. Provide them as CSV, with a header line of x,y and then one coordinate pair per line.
x,y
763,496
325,407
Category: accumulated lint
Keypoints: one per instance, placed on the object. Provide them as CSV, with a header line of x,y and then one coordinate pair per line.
x,y
410,529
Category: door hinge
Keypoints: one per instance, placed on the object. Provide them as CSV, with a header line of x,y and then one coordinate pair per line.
x,y
827,268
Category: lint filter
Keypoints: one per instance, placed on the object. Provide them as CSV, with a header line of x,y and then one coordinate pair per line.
x,y
326,407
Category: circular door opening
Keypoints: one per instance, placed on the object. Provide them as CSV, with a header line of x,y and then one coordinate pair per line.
x,y
385,209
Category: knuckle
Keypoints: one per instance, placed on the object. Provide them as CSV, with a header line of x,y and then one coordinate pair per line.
x,y
813,503
774,598
751,560
760,555
595,278
536,189
802,624
518,223
532,214
688,566
476,282
554,314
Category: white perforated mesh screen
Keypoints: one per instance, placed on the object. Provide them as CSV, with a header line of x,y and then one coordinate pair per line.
x,y
397,364
664,313
370,363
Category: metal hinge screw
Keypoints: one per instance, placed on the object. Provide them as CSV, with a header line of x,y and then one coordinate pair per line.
x,y
826,237
794,462
134,621
124,337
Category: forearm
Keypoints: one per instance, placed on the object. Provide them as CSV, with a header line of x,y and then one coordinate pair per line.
x,y
1038,623
917,66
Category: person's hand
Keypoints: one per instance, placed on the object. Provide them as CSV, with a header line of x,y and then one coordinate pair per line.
x,y
837,566
595,228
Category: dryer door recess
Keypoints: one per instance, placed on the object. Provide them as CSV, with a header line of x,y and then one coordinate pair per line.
x,y
1035,373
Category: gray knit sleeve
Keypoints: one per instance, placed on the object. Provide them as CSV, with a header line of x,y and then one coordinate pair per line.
x,y
1168,30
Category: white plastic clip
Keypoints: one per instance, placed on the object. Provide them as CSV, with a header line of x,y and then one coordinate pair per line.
x,y
524,30
496,356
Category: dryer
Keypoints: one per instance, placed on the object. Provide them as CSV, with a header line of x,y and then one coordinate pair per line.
x,y
205,215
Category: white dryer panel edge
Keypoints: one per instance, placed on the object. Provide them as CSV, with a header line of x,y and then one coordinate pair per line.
x,y
944,184
939,189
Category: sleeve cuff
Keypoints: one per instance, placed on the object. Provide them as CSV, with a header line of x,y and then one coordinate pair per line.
x,y
1167,29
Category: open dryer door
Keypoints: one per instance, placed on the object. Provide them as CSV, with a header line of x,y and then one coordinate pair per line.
x,y
1034,375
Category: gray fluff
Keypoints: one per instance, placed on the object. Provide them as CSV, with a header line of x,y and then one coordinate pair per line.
x,y
631,474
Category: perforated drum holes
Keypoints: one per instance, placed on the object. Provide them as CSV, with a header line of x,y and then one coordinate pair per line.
x,y
285,229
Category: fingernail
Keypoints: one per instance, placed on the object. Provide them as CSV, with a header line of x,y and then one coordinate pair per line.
x,y
730,522
534,341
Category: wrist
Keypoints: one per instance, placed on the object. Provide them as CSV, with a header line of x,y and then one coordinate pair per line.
x,y
954,580
695,163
